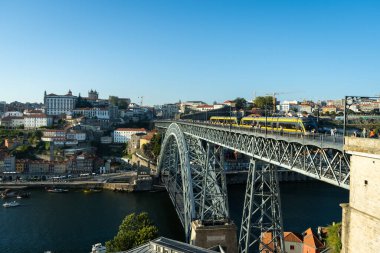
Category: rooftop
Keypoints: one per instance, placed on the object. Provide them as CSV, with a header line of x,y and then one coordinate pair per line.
x,y
131,129
168,244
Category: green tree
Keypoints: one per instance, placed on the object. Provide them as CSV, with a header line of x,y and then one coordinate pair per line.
x,y
125,150
83,103
262,102
133,231
240,103
113,100
333,237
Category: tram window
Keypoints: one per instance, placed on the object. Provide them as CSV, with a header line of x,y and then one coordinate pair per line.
x,y
289,125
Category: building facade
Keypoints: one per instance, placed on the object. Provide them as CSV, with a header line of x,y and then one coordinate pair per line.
x,y
123,135
34,121
59,104
99,113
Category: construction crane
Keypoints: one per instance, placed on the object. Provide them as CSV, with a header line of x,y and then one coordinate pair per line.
x,y
273,95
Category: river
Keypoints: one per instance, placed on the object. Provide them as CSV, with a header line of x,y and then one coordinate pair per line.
x,y
72,222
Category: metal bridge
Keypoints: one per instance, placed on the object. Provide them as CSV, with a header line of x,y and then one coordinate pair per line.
x,y
191,166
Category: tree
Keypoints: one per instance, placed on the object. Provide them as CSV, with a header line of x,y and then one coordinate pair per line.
x,y
240,103
83,103
264,102
134,230
333,237
125,150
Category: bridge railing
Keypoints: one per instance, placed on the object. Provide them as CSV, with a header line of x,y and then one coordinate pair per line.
x,y
320,138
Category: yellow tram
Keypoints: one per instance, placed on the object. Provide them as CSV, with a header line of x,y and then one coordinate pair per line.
x,y
277,124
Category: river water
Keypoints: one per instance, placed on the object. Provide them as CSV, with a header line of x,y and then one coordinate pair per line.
x,y
74,221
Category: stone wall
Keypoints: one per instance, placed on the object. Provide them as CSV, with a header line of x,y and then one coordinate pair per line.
x,y
361,217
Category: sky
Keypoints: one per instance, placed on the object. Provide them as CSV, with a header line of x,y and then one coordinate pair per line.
x,y
171,50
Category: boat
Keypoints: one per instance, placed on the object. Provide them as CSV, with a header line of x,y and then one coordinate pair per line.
x,y
11,204
8,193
57,190
91,190
22,195
98,248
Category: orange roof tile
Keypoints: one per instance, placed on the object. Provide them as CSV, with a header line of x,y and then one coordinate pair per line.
x,y
292,237
311,240
132,129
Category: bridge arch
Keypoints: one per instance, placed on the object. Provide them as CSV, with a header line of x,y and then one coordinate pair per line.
x,y
174,171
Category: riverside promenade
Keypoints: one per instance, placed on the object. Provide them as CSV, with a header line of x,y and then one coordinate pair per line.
x,y
124,181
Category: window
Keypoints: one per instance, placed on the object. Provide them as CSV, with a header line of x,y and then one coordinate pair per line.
x,y
291,247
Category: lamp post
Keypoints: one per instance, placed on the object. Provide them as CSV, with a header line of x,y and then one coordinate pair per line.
x,y
266,120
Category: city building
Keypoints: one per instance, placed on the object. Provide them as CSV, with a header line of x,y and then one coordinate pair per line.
x,y
185,107
98,113
123,135
203,108
10,164
134,142
106,140
12,122
169,111
308,242
3,107
59,104
305,107
287,106
13,114
84,163
162,244
329,109
93,95
33,121
39,167
22,165
59,167
76,135
53,133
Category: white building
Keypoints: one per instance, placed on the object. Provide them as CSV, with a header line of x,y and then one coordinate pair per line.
x,y
203,108
59,104
33,121
12,122
287,106
13,114
169,111
76,135
123,135
98,113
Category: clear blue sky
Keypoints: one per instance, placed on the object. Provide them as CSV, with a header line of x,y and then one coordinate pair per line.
x,y
189,49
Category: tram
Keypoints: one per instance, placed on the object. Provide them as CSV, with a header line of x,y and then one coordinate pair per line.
x,y
278,124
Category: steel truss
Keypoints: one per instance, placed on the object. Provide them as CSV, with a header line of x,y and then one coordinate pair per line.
x,y
325,163
262,211
194,178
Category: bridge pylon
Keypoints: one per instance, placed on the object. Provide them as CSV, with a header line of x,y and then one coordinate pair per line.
x,y
262,226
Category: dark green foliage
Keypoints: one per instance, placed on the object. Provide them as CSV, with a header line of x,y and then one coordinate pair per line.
x,y
153,149
333,239
264,102
83,103
240,103
134,230
23,152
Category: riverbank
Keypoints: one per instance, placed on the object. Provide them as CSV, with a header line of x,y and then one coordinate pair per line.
x,y
137,185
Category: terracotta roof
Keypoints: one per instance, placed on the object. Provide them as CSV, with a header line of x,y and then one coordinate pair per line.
x,y
205,106
292,237
131,129
40,115
54,130
11,117
311,239
266,239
